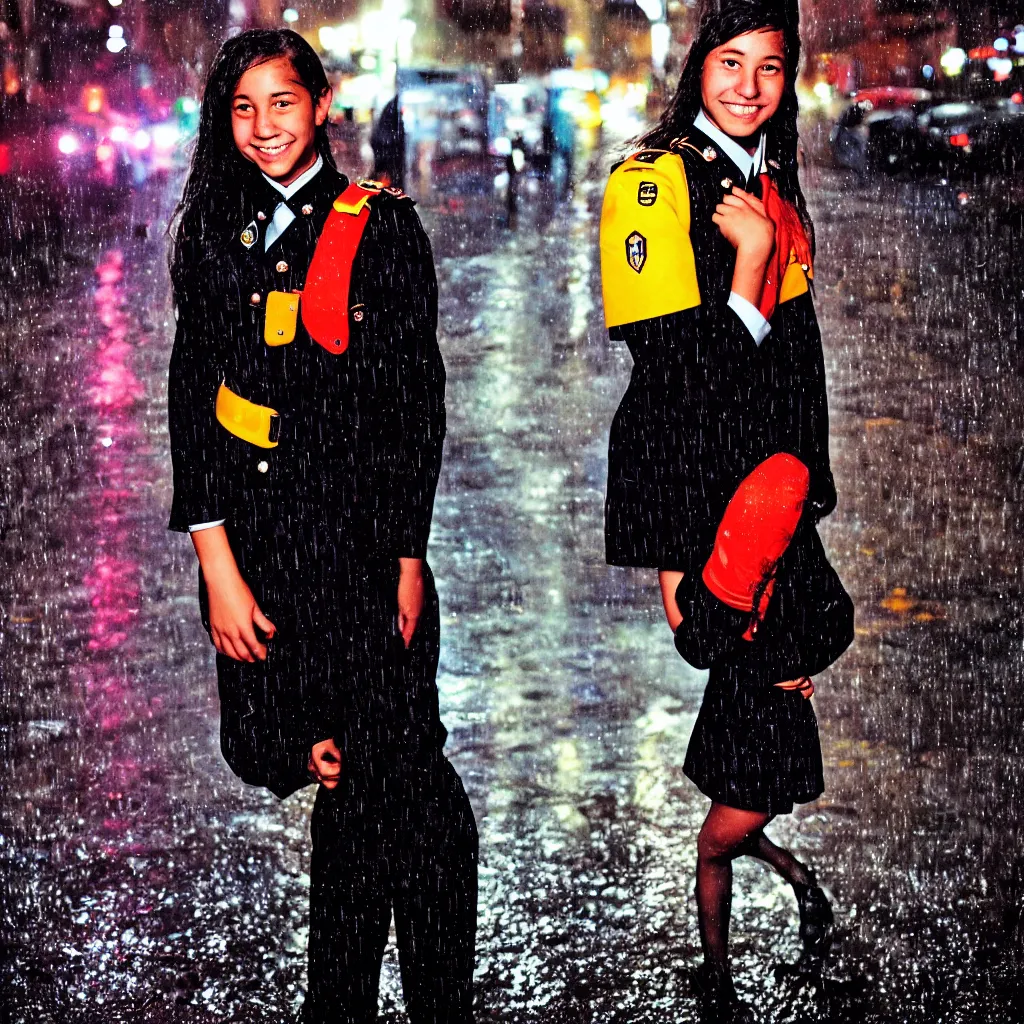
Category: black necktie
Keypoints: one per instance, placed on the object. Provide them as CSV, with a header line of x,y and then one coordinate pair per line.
x,y
753,184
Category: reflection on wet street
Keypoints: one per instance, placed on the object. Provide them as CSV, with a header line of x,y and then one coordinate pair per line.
x,y
142,882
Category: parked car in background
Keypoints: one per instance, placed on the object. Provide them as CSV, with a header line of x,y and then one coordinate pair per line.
x,y
877,131
971,137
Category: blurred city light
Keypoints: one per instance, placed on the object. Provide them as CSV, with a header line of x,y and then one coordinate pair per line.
x,y
652,8
1001,44
661,39
290,15
119,133
68,144
141,139
165,136
116,41
953,61
93,99
1001,67
406,31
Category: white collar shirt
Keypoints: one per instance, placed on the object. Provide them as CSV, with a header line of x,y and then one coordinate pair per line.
x,y
283,216
745,161
749,314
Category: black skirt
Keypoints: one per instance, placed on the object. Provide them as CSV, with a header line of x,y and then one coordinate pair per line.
x,y
754,747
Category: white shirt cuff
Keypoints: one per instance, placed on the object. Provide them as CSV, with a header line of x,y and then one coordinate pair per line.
x,y
206,526
751,316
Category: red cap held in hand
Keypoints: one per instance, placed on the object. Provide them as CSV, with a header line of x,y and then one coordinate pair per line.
x,y
755,531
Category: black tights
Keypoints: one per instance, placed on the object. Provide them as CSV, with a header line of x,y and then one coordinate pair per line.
x,y
728,833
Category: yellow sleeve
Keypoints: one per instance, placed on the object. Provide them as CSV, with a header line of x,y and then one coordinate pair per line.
x,y
647,262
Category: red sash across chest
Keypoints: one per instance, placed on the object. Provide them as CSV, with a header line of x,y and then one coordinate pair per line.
x,y
325,299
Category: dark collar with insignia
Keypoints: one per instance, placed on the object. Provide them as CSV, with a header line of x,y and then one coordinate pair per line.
x,y
721,162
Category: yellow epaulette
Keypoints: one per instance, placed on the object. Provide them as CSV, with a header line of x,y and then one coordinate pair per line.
x,y
647,262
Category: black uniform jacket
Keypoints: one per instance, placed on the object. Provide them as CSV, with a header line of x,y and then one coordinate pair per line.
x,y
351,482
705,404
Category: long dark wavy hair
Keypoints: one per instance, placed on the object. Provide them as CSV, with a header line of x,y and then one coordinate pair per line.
x,y
218,177
718,22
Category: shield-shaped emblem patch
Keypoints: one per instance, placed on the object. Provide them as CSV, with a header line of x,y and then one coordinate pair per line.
x,y
647,193
636,251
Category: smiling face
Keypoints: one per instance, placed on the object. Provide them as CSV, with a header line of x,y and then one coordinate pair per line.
x,y
274,119
742,81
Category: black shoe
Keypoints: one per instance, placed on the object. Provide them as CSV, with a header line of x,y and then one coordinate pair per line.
x,y
816,918
718,1001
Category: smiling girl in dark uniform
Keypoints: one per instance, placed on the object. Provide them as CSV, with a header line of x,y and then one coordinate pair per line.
x,y
307,420
718,460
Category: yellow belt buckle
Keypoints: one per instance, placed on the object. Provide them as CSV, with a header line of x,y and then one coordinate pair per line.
x,y
258,424
282,316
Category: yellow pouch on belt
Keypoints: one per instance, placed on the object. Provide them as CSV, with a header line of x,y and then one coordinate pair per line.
x,y
282,315
257,424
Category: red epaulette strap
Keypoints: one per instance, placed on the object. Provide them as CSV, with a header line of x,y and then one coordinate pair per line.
x,y
325,297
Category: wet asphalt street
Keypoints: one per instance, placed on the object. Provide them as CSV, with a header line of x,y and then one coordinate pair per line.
x,y
142,882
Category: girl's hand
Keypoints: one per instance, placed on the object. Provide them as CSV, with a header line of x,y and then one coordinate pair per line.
x,y
745,226
670,580
234,614
410,596
803,686
234,618
325,763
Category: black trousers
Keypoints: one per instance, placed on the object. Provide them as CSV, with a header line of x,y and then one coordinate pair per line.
x,y
408,844
397,834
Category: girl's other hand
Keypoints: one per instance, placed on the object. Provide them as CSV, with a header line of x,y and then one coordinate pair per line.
x,y
234,614
234,618
325,763
745,226
803,686
670,580
410,596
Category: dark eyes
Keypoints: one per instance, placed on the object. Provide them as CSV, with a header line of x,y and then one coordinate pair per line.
x,y
245,108
733,64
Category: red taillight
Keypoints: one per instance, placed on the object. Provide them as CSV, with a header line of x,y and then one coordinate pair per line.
x,y
5,158
1017,97
960,140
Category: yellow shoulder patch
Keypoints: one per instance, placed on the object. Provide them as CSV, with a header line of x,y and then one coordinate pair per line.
x,y
647,262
